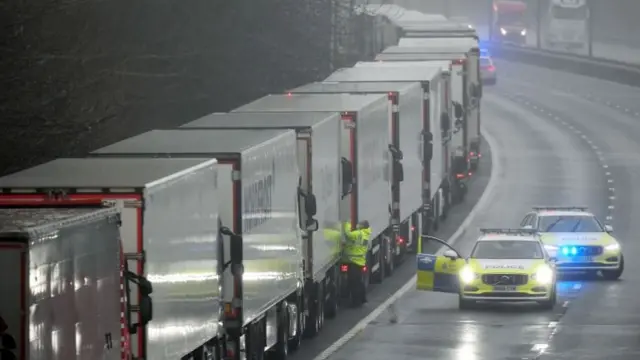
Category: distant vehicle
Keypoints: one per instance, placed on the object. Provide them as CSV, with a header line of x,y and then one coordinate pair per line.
x,y
505,265
578,241
488,71
567,23
509,25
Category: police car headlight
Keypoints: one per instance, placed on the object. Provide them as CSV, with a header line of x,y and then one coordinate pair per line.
x,y
467,275
612,247
503,31
544,275
523,32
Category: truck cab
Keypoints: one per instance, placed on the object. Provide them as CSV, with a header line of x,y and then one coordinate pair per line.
x,y
567,23
509,22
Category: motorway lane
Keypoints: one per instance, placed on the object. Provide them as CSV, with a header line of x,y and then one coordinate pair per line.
x,y
347,318
605,322
539,163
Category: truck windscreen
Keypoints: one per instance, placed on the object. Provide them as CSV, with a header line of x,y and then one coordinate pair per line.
x,y
511,19
580,13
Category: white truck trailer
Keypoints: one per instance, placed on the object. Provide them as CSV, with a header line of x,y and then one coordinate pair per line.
x,y
365,156
435,129
466,89
567,23
318,138
405,124
170,231
61,282
259,179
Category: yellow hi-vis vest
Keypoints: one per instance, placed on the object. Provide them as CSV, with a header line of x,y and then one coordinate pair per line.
x,y
357,245
334,238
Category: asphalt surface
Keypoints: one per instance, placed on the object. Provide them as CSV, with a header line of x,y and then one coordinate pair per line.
x,y
557,143
347,318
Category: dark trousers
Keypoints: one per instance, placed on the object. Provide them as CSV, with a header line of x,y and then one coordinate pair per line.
x,y
357,283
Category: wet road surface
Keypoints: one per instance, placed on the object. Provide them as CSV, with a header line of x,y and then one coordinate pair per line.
x,y
539,162
604,322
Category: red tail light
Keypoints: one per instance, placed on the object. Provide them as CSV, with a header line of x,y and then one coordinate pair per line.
x,y
413,228
365,269
399,240
470,173
460,176
344,268
491,68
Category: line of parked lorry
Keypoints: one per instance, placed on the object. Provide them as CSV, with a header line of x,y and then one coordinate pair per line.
x,y
210,241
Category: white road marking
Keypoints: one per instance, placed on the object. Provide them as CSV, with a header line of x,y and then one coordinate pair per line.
x,y
484,200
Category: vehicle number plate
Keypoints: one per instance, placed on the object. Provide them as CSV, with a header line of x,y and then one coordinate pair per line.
x,y
578,259
504,288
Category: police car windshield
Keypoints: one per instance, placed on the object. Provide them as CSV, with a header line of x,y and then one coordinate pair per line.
x,y
576,223
507,249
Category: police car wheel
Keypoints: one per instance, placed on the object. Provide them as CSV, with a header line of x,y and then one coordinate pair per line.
x,y
465,304
614,274
551,303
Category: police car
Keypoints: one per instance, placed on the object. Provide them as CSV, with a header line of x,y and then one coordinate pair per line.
x,y
577,240
505,265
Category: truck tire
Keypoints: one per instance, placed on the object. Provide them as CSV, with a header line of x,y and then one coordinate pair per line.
x,y
331,306
281,349
436,212
390,265
316,306
294,342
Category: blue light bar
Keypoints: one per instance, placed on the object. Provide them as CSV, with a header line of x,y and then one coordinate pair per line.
x,y
566,250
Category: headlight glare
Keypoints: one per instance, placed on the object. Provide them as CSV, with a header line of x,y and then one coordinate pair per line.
x,y
467,275
544,275
523,32
503,31
612,247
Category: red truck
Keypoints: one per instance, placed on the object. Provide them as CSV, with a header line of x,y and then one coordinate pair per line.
x,y
509,21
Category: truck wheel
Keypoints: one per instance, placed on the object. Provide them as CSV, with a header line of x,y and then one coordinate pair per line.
x,y
294,342
281,350
436,212
391,256
331,306
614,274
378,276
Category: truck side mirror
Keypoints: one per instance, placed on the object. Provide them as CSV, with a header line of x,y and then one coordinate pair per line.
x,y
236,249
398,171
347,176
310,205
445,122
312,225
458,110
428,146
395,152
146,310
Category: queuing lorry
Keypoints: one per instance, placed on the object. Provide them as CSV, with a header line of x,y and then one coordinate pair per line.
x,y
509,21
259,181
436,129
439,30
462,42
318,156
365,159
61,260
170,235
567,23
466,88
405,124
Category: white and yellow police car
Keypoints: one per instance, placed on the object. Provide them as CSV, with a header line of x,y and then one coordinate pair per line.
x,y
577,240
505,265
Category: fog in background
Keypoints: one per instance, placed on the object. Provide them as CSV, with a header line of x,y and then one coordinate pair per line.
x,y
80,74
